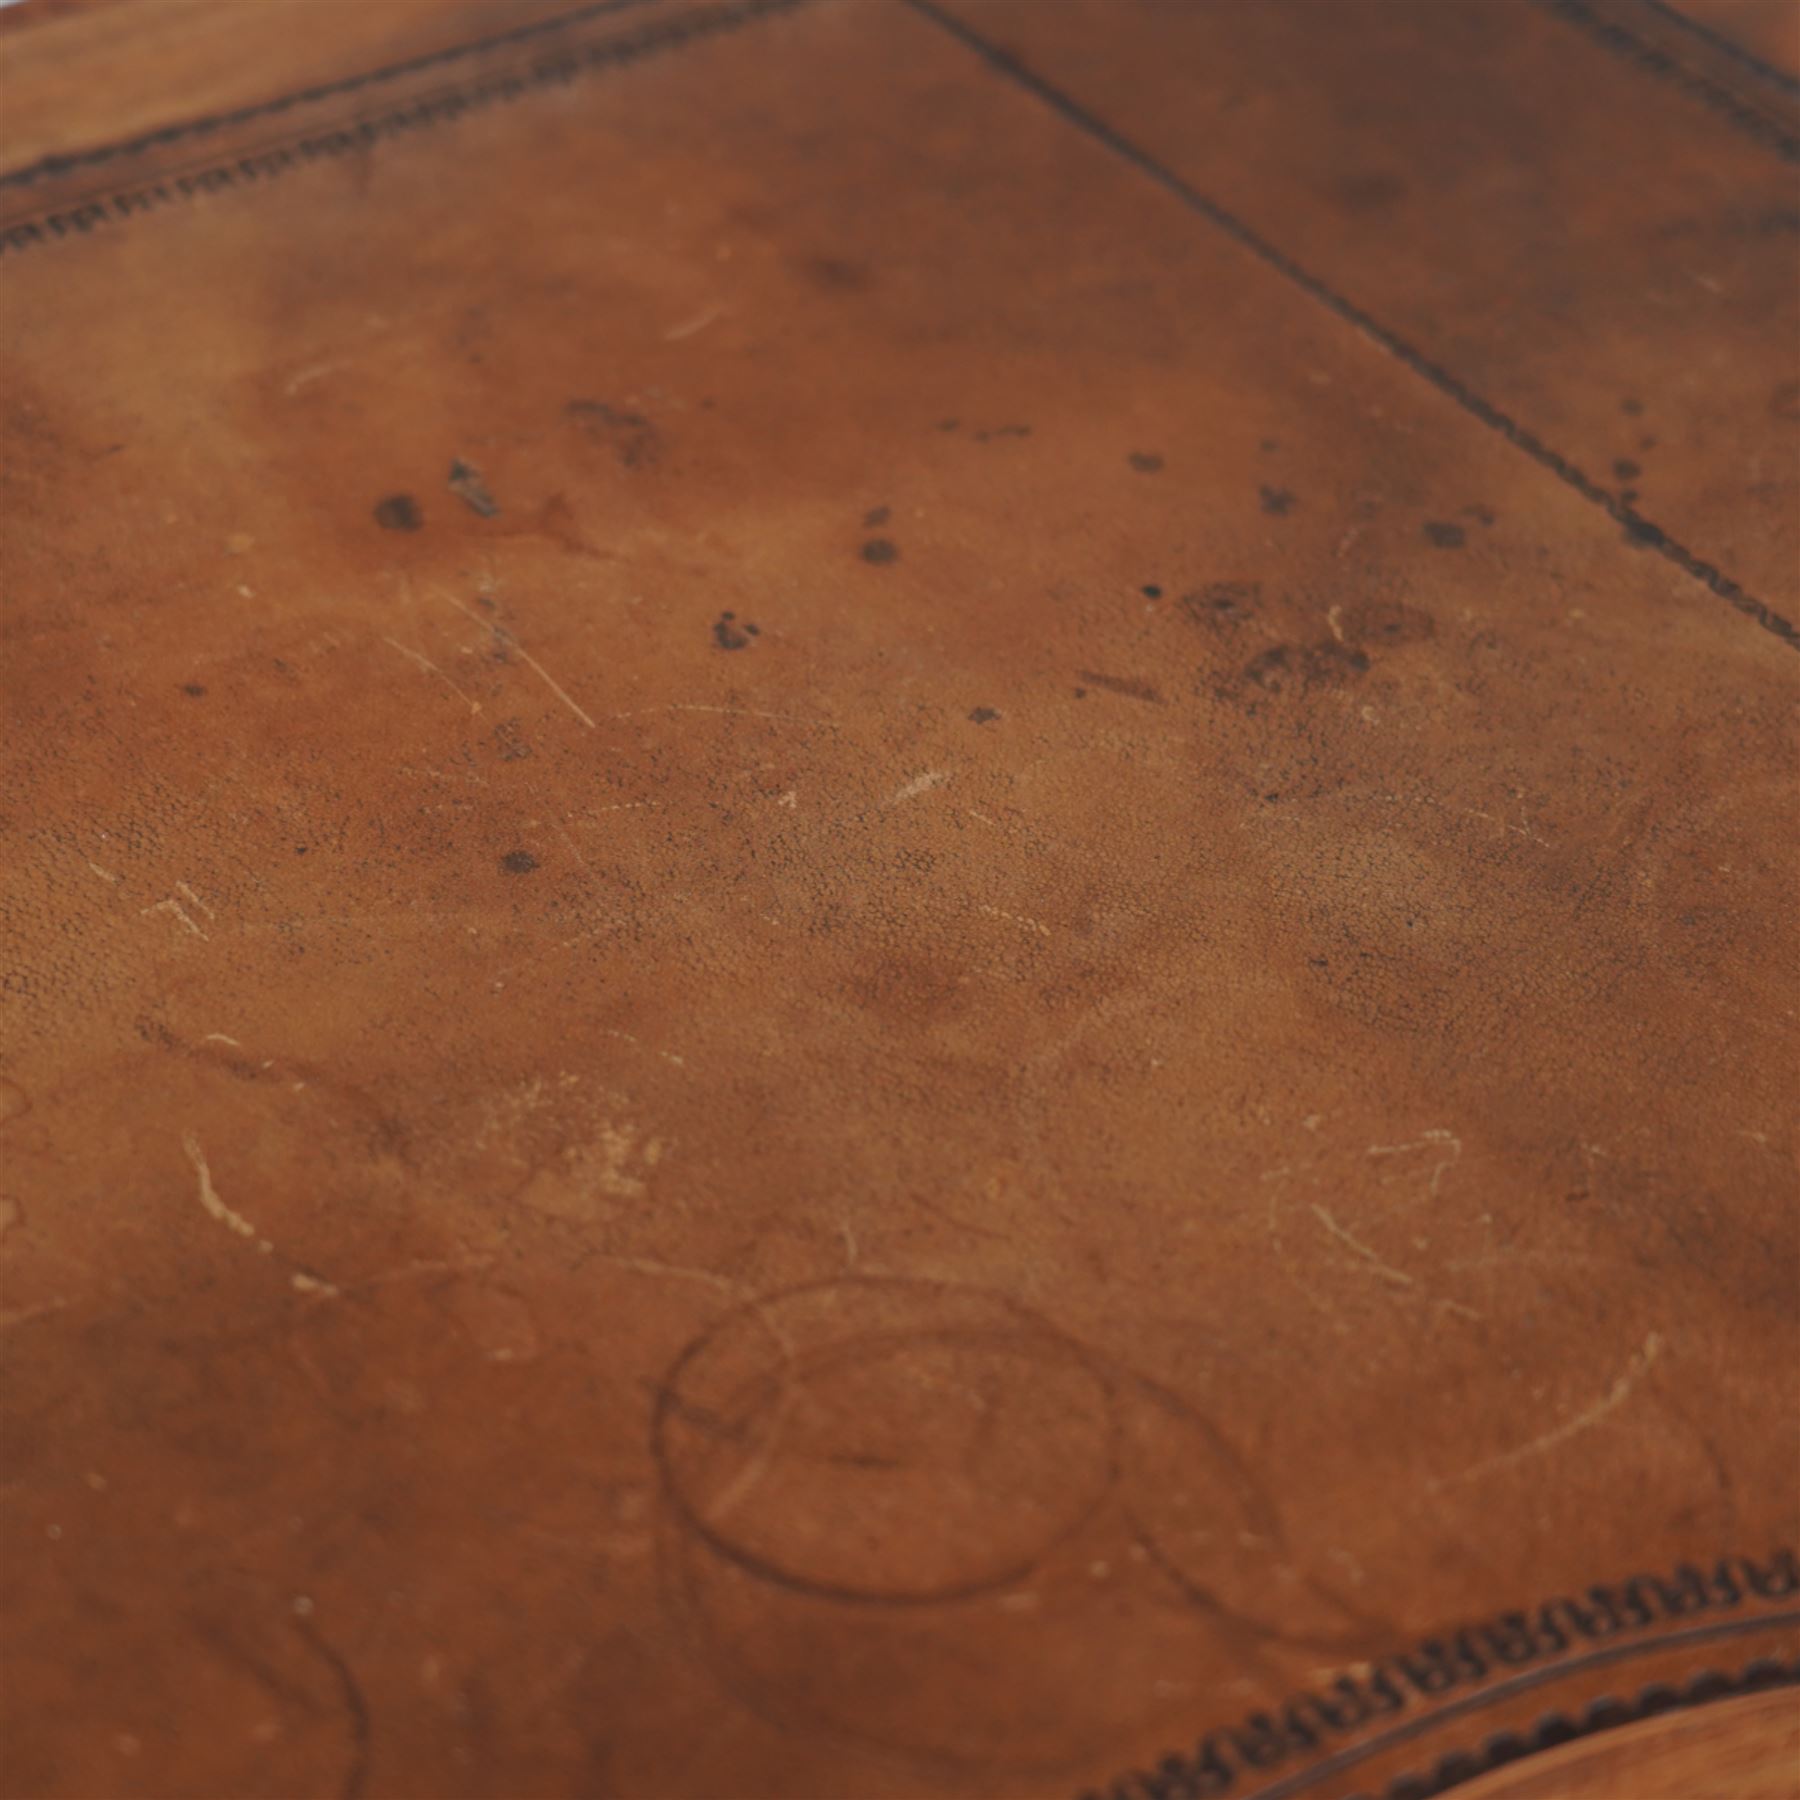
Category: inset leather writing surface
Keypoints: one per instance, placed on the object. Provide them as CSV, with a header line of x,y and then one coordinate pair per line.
x,y
834,970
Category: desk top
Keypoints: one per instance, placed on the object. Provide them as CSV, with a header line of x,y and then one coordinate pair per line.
x,y
899,897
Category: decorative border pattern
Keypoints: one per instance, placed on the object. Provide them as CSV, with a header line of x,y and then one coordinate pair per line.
x,y
61,162
1614,37
1605,1714
1476,1655
257,167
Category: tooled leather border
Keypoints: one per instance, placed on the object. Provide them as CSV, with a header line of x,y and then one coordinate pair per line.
x,y
1502,1656
1607,1713
255,165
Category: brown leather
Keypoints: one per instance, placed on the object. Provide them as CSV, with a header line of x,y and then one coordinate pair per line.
x,y
873,926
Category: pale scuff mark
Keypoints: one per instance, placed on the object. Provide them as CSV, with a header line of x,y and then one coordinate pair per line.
x,y
219,1037
512,644
1037,925
215,1207
690,327
1435,1139
302,1281
1615,1397
172,906
187,893
104,874
427,666
920,784
315,372
1385,1270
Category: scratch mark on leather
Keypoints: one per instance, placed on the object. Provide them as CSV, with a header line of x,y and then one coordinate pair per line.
x,y
1426,1140
172,906
215,1207
425,664
299,1279
1614,1397
513,645
1385,1270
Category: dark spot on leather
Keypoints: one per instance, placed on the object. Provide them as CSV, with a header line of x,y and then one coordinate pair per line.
x,y
193,688
983,715
1286,667
1482,515
1387,622
1626,469
877,515
1277,501
1150,591
1223,602
1127,686
1146,462
838,273
509,740
630,435
398,512
1444,536
880,550
1376,188
465,482
518,862
729,635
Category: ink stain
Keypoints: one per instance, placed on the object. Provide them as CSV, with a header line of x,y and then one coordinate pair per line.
x,y
1443,536
630,435
729,635
880,551
193,688
1626,469
398,512
1150,591
877,516
466,484
1127,686
1223,602
1277,501
983,715
518,862
1146,462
